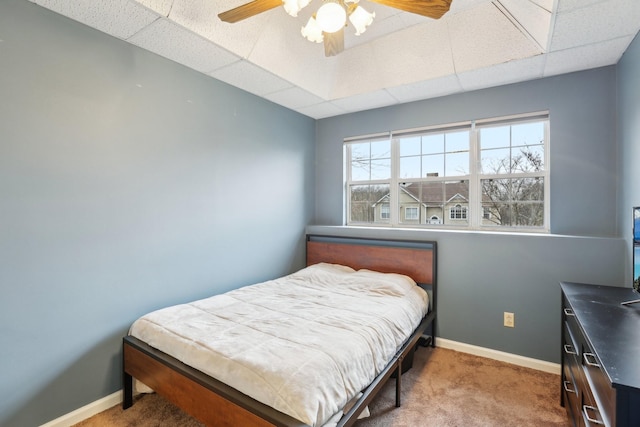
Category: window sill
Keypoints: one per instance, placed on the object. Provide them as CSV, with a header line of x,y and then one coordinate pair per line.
x,y
422,233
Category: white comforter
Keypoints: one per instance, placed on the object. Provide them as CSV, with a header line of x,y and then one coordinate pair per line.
x,y
304,344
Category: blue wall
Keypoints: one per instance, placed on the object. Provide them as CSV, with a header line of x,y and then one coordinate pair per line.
x,y
629,140
482,274
127,183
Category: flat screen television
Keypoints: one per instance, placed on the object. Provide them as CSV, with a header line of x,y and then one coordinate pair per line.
x,y
636,226
636,254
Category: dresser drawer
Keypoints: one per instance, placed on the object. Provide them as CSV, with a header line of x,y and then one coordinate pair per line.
x,y
592,415
571,397
596,397
571,323
572,377
602,393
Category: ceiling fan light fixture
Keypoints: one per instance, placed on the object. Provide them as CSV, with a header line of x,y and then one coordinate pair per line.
x,y
312,31
331,16
361,19
292,7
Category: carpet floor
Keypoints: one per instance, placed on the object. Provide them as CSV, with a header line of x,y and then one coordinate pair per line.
x,y
445,388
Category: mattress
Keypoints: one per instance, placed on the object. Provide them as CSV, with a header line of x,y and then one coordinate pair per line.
x,y
304,344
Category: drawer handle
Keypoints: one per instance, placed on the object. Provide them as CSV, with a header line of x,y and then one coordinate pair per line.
x,y
565,384
569,350
568,312
586,409
593,362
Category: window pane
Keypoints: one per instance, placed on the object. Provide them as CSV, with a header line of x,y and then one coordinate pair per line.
x,y
496,161
528,214
381,169
495,137
435,201
360,166
457,164
410,146
457,141
433,143
360,170
513,202
410,167
528,189
360,150
370,160
528,159
527,134
367,202
433,165
381,149
525,155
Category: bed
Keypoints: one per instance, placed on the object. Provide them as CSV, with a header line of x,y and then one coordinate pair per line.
x,y
230,391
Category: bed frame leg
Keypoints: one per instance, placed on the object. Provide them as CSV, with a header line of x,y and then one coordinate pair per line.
x,y
127,384
399,382
127,391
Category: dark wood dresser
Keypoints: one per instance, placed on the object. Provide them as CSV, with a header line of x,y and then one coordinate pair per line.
x,y
600,355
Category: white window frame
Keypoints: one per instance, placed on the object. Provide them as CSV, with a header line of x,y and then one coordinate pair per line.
x,y
458,208
415,209
475,213
385,208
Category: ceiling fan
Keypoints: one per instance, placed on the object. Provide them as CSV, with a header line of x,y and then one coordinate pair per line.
x,y
333,35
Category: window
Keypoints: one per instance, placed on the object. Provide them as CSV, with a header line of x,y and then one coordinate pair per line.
x,y
411,213
458,212
478,175
384,211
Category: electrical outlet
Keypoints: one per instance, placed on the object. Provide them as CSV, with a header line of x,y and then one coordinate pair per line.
x,y
509,320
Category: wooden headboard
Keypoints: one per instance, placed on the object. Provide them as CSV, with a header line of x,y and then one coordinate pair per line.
x,y
416,260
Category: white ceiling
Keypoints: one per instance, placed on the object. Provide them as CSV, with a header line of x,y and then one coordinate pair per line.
x,y
401,57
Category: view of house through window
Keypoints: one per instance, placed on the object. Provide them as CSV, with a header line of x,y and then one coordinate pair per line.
x,y
479,174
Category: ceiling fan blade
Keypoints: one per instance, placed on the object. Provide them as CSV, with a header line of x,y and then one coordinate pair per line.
x,y
333,42
429,8
248,10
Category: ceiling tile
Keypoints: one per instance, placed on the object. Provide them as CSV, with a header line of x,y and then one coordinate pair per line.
x,y
282,50
545,4
162,7
178,44
379,98
251,78
462,5
119,18
294,98
505,73
483,36
535,20
201,17
596,23
567,5
586,57
442,86
425,55
379,28
321,111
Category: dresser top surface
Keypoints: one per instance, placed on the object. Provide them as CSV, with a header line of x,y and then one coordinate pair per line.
x,y
612,329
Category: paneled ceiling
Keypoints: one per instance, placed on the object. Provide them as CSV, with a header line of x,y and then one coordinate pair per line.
x,y
402,57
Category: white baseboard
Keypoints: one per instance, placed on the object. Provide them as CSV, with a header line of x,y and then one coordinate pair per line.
x,y
107,402
527,362
86,411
